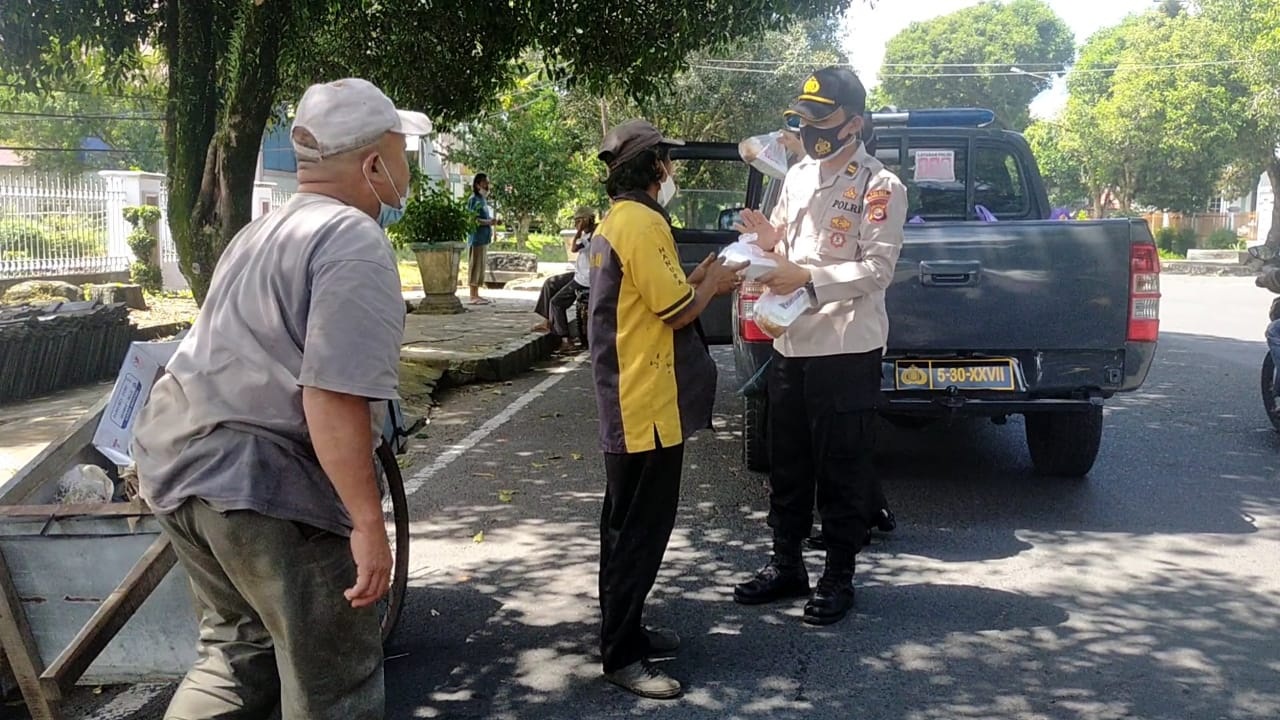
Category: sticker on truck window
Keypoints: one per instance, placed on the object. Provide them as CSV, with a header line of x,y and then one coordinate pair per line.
x,y
935,166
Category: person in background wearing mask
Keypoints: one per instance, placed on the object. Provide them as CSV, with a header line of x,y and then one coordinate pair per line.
x,y
655,384
560,292
837,229
480,237
254,449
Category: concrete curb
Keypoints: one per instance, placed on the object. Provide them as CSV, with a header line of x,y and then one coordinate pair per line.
x,y
1212,269
504,362
425,376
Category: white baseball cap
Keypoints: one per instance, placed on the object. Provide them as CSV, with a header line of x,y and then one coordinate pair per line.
x,y
344,115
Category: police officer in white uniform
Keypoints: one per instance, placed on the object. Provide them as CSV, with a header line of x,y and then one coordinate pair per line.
x,y
838,229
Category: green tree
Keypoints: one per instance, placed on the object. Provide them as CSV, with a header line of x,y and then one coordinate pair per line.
x,y
130,120
528,152
1153,114
1062,170
724,95
1254,27
231,63
964,59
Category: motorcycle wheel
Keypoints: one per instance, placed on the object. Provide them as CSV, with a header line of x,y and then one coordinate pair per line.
x,y
1269,391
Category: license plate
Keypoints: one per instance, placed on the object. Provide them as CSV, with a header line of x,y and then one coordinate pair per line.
x,y
985,374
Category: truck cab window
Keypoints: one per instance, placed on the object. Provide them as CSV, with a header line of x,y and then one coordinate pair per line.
x,y
936,177
999,184
707,187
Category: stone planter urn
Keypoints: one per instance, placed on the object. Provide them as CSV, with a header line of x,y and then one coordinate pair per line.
x,y
438,265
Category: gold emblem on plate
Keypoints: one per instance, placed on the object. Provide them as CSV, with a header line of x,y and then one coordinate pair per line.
x,y
914,376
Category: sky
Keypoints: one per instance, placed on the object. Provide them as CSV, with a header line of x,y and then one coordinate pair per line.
x,y
868,29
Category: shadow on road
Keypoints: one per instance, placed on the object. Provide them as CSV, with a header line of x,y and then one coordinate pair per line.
x,y
1134,620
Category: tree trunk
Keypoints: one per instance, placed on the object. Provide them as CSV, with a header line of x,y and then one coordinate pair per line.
x,y
1273,174
214,146
522,233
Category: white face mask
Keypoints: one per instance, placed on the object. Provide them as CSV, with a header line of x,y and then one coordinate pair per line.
x,y
667,191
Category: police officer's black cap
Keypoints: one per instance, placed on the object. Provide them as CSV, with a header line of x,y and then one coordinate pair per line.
x,y
828,90
629,139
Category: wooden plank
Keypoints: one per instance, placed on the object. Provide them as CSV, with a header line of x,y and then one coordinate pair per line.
x,y
21,650
52,512
110,616
53,459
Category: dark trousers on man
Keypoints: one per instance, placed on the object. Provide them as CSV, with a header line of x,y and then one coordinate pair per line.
x,y
275,630
822,423
559,293
640,501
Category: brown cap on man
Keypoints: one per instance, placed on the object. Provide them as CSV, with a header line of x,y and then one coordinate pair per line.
x,y
629,139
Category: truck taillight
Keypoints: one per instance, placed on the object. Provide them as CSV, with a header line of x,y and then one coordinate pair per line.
x,y
1144,293
748,293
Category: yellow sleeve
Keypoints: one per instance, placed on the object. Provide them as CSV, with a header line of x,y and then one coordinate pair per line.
x,y
649,258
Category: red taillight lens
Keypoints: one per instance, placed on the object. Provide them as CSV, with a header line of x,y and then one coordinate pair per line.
x,y
748,293
1144,293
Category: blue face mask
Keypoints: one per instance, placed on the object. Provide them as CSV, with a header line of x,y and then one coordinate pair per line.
x,y
388,215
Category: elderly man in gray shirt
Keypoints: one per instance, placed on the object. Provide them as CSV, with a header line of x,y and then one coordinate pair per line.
x,y
255,448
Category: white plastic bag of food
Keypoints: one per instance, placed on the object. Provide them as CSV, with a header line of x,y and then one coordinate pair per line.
x,y
765,153
84,484
745,250
775,313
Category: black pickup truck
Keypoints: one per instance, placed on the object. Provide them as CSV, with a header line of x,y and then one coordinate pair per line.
x,y
996,313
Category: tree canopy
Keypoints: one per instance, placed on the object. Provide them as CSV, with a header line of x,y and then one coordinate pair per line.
x,y
1154,111
528,151
50,130
232,62
966,59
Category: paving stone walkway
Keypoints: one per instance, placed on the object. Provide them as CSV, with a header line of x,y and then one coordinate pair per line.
x,y
483,344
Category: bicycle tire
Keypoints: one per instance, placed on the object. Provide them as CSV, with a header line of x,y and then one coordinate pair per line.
x,y
392,480
1269,391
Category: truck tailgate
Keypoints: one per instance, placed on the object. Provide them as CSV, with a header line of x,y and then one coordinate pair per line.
x,y
1012,286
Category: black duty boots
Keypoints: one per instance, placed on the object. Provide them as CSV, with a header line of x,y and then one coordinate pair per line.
x,y
833,597
782,579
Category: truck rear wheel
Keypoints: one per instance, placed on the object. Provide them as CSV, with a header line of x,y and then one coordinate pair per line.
x,y
1064,444
755,433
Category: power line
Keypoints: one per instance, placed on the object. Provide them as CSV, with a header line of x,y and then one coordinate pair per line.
x,y
64,116
27,90
1135,66
1063,66
794,62
23,148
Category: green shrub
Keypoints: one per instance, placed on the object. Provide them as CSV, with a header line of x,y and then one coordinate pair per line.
x,y
57,236
145,271
1221,239
1175,241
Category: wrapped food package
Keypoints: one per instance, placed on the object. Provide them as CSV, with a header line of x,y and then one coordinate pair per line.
x,y
745,250
775,314
765,153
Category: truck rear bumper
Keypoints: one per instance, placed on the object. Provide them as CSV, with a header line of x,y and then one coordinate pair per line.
x,y
947,405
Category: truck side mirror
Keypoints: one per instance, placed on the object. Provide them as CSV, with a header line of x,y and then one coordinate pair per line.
x,y
728,218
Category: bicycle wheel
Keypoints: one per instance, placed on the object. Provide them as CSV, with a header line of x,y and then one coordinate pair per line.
x,y
1269,391
395,510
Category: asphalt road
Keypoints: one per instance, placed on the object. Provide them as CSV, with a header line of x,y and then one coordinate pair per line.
x,y
1149,590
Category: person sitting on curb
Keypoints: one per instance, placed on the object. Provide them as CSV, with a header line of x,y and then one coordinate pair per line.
x,y
560,292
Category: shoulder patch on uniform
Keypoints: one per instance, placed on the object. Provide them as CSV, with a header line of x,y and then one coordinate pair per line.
x,y
878,210
878,194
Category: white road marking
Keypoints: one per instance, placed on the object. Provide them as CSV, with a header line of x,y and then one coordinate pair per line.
x,y
420,478
128,703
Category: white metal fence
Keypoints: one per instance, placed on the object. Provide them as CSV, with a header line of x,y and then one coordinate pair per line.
x,y
51,225
54,225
